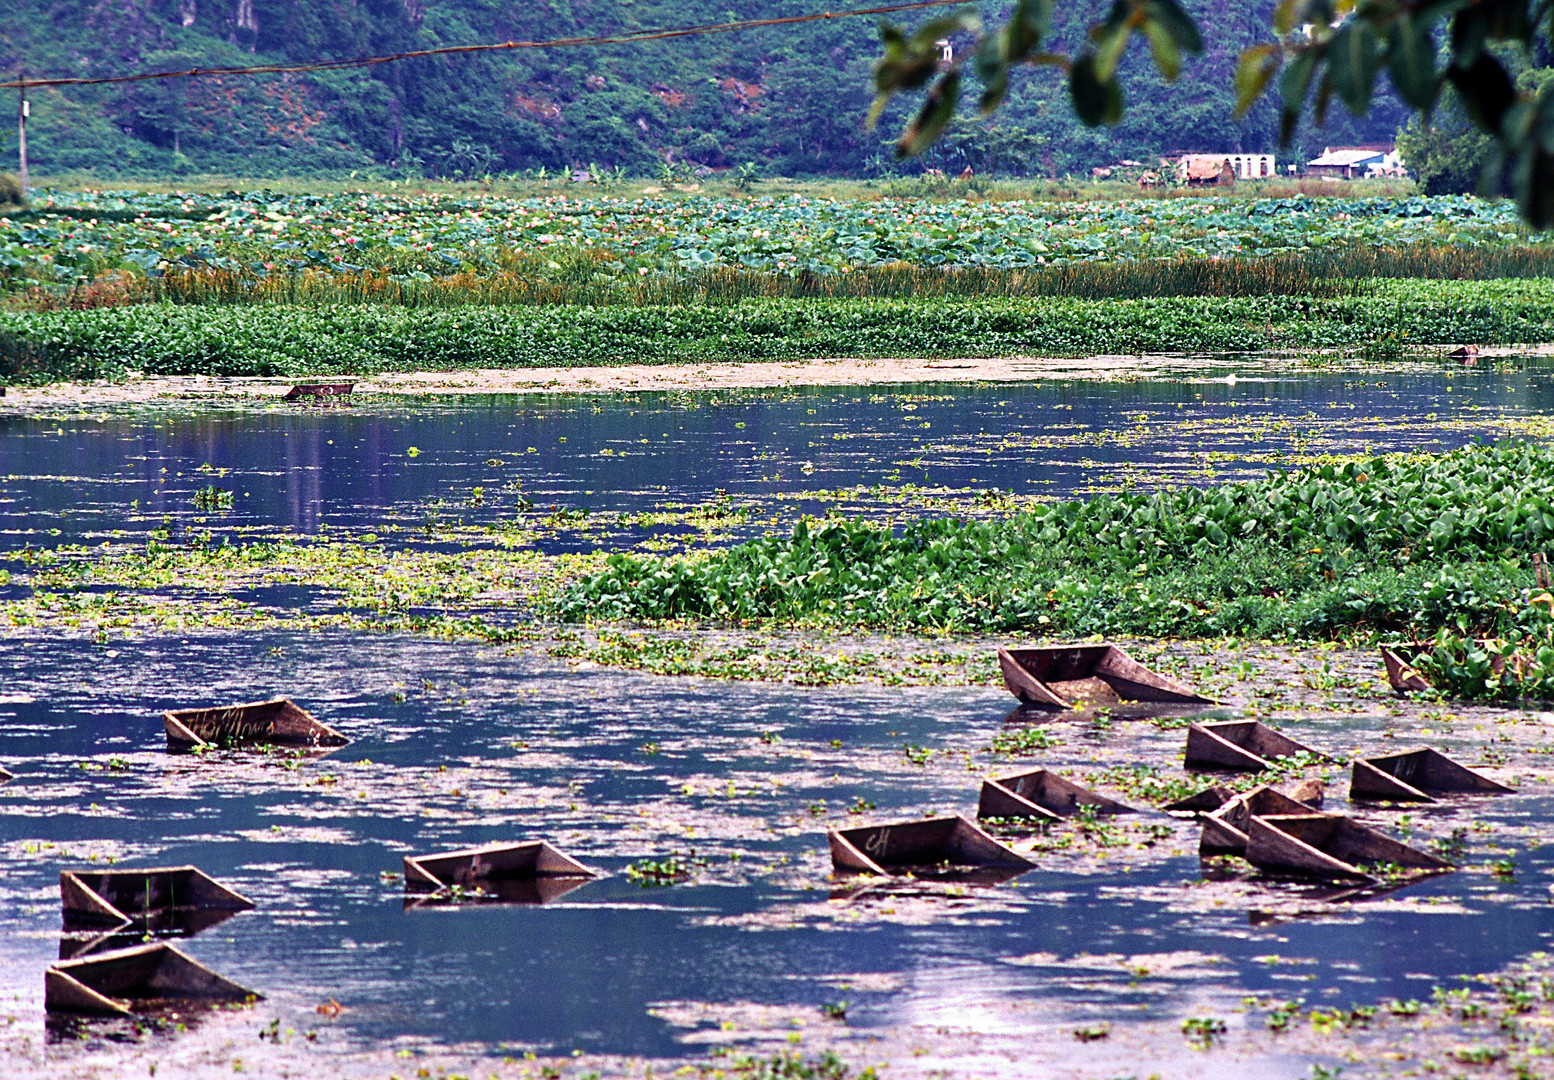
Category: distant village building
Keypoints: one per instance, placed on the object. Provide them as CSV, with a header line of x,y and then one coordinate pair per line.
x,y
1354,162
1254,166
1204,170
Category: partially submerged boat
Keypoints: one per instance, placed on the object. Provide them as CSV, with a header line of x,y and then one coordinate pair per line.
x,y
485,870
533,891
1417,776
1206,801
6,774
931,844
1072,676
277,722
1247,745
1329,846
128,980
1402,676
121,896
1225,830
1042,795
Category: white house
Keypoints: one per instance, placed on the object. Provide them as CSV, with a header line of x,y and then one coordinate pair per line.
x,y
1253,166
1349,162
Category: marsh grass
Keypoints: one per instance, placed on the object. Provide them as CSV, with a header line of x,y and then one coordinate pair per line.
x,y
923,185
582,276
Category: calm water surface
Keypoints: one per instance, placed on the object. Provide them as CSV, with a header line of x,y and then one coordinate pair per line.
x,y
78,479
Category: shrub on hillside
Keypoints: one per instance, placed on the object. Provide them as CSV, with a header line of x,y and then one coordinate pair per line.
x,y
11,193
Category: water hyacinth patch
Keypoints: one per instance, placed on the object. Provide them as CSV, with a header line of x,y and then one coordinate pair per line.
x,y
1405,544
254,340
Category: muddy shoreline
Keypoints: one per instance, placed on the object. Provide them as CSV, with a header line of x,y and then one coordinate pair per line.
x,y
650,378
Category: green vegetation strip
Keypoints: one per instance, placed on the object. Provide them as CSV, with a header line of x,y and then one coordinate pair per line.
x,y
166,339
1411,546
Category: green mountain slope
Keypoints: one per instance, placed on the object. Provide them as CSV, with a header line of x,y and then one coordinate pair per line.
x,y
791,98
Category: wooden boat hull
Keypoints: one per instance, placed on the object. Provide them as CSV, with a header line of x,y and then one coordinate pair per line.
x,y
119,896
1225,830
1206,801
1065,677
478,867
6,774
277,722
1402,676
1245,745
1417,776
1041,795
918,845
1328,846
116,983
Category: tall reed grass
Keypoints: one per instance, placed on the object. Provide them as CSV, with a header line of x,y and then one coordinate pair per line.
x,y
1319,274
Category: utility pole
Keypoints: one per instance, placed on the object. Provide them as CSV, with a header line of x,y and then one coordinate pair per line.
x,y
22,109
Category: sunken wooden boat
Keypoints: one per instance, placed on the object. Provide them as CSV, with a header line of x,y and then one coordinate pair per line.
x,y
6,774
120,896
1402,676
277,722
1329,846
1225,830
1206,801
1042,795
1417,776
144,977
1070,676
1246,745
930,844
532,891
484,869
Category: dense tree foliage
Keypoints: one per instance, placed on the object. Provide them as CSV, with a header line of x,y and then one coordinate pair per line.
x,y
1323,51
793,99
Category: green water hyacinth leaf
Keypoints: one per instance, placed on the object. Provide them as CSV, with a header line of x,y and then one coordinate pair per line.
x,y
1399,545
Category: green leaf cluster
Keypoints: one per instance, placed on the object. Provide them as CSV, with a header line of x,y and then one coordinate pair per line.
x,y
260,340
1388,544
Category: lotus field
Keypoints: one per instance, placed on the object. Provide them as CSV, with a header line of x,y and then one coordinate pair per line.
x,y
69,237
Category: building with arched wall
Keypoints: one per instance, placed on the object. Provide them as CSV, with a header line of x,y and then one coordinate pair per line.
x,y
1253,166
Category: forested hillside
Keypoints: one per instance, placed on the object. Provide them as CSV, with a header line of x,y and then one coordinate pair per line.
x,y
791,99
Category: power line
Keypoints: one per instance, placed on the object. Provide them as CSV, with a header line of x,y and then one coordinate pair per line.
x,y
452,50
